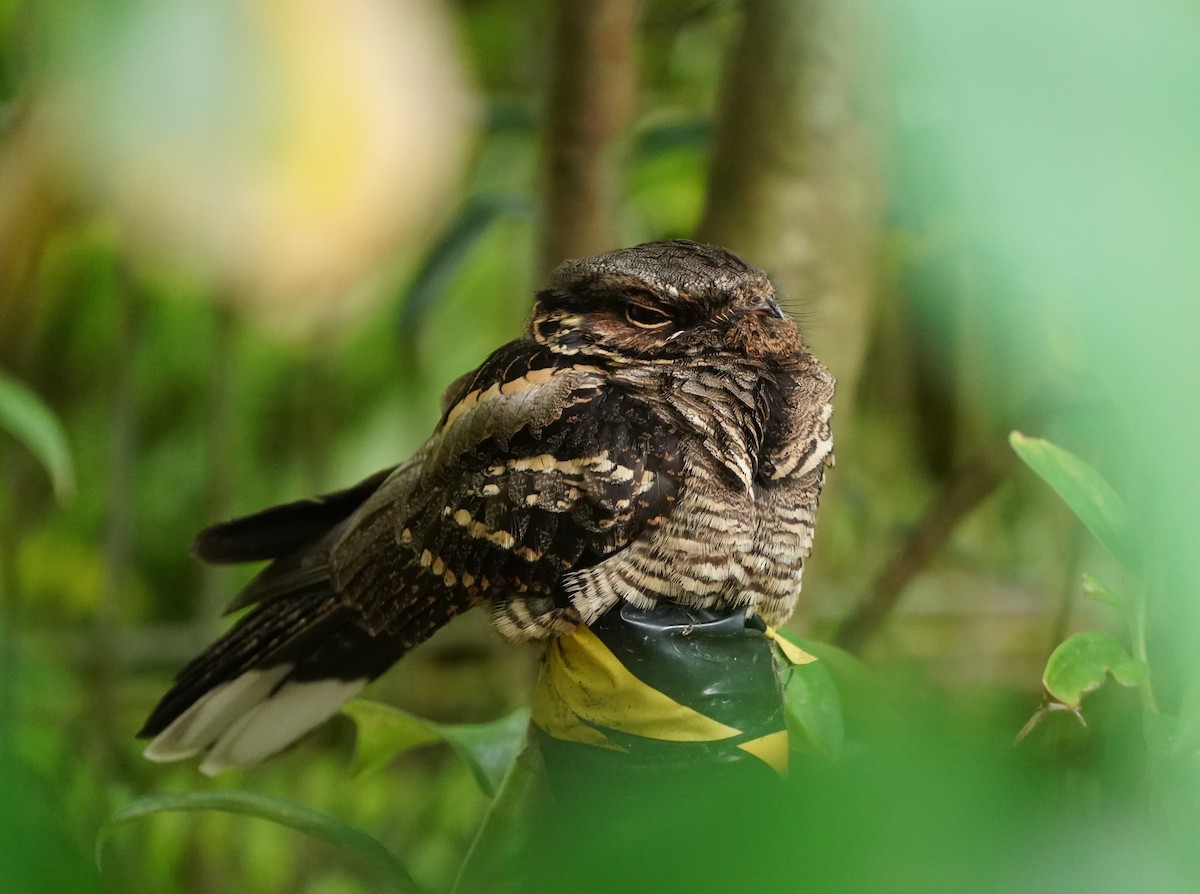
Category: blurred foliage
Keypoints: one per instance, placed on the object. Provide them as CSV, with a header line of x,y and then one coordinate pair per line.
x,y
276,810
486,748
1036,270
28,420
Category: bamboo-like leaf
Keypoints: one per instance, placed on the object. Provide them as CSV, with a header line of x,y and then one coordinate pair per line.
x,y
24,416
277,810
447,255
1085,491
1082,663
487,748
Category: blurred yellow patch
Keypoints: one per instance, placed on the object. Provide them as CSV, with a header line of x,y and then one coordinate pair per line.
x,y
280,149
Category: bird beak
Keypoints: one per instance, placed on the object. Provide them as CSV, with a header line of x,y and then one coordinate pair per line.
x,y
768,307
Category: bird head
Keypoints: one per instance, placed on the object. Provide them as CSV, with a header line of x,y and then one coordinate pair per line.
x,y
662,302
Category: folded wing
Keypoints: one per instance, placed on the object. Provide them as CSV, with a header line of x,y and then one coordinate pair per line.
x,y
536,469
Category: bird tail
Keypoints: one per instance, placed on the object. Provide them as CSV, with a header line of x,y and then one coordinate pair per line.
x,y
285,667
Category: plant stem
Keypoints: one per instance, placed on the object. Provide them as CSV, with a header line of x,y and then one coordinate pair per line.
x,y
279,811
1138,637
480,867
588,109
959,496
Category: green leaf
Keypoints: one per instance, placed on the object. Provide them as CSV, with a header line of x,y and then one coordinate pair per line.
x,y
498,841
814,709
813,705
868,710
487,748
26,418
383,733
847,670
1100,593
446,256
277,810
1085,491
1082,663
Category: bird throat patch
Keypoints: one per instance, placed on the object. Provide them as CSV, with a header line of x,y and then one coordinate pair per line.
x,y
666,685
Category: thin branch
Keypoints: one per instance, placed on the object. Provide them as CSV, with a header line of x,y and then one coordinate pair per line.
x,y
491,852
1138,635
964,491
589,106
1069,586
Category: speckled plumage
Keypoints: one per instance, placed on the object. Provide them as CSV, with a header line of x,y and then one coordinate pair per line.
x,y
659,432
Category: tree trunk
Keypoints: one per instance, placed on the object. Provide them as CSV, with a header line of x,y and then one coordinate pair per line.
x,y
590,103
793,185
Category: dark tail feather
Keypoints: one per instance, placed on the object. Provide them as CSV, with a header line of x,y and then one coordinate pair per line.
x,y
282,670
282,530
283,578
289,664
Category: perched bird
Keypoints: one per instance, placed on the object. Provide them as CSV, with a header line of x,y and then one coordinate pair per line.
x,y
659,432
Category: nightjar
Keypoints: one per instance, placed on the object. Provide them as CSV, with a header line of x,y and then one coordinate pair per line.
x,y
659,432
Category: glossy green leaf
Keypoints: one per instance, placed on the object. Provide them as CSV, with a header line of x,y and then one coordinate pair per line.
x,y
24,416
813,705
1082,663
847,670
1085,491
487,748
276,810
867,708
814,709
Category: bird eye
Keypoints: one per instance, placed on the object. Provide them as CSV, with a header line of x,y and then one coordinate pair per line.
x,y
645,317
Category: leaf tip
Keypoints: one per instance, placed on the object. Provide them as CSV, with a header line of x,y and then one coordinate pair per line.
x,y
98,846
